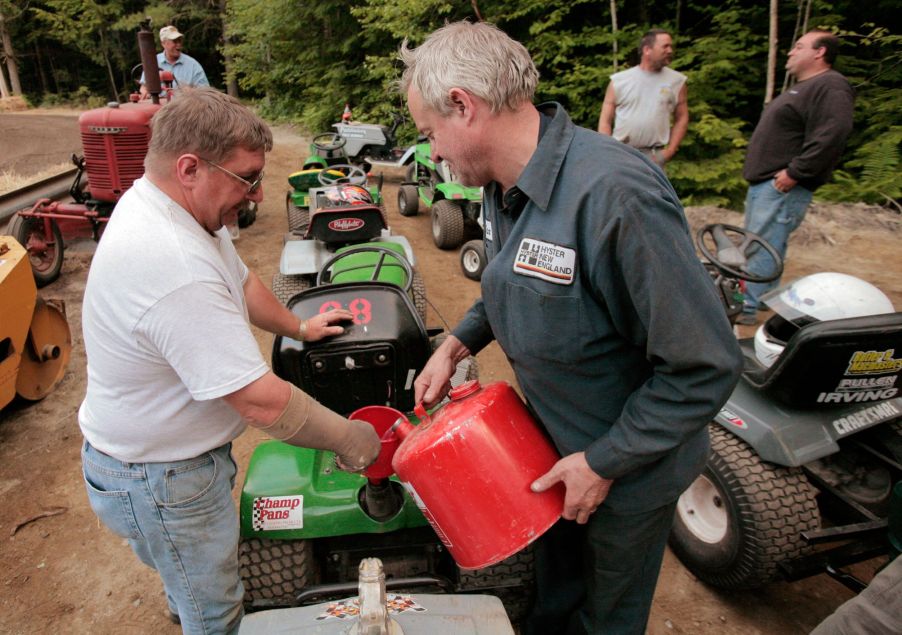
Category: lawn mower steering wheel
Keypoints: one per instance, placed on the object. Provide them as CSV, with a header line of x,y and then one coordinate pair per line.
x,y
734,246
329,141
325,275
353,175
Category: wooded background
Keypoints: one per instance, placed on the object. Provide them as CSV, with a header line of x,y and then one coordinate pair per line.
x,y
303,60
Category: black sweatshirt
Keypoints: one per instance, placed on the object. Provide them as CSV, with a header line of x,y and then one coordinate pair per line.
x,y
804,130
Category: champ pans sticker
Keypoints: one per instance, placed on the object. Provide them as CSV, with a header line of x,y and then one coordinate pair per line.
x,y
278,512
545,261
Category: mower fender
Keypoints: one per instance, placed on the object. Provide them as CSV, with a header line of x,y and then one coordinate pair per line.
x,y
457,192
315,161
792,437
408,155
303,257
307,257
297,493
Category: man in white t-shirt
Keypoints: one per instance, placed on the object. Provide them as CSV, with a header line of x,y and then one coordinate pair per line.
x,y
174,371
639,102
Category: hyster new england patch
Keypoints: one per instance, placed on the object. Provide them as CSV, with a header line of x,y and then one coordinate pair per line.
x,y
545,261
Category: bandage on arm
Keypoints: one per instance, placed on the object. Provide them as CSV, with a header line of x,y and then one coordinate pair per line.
x,y
307,423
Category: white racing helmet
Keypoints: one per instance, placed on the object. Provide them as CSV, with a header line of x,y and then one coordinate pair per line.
x,y
815,298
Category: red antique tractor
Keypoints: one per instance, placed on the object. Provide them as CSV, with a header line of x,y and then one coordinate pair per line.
x,y
114,141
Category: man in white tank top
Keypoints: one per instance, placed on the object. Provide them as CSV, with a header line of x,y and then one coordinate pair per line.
x,y
639,102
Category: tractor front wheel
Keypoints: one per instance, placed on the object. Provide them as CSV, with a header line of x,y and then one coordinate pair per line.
x,y
742,516
447,224
275,570
45,252
408,200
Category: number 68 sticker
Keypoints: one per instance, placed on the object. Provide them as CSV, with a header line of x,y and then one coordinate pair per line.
x,y
360,307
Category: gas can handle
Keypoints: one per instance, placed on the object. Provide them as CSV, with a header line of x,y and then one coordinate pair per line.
x,y
420,411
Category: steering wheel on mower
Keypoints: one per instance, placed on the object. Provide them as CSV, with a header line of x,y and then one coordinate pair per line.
x,y
325,274
353,175
734,246
329,141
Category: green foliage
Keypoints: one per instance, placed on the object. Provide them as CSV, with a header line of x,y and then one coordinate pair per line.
x,y
302,61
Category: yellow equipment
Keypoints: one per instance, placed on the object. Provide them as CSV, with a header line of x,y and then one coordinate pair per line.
x,y
35,342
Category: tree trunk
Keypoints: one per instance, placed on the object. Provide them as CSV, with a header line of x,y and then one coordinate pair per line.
x,y
42,74
475,5
4,87
676,21
231,79
614,30
771,54
10,55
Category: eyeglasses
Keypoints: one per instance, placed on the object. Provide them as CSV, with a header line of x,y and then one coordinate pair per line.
x,y
251,187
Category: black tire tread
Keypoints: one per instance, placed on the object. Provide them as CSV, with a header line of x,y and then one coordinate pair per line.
x,y
275,569
418,290
512,580
450,220
19,228
409,196
298,218
285,287
775,504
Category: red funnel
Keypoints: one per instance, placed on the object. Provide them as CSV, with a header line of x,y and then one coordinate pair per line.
x,y
381,418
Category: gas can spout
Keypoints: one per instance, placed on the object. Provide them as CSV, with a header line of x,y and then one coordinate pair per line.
x,y
400,428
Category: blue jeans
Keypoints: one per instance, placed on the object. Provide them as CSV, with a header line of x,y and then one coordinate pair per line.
x,y
179,519
773,215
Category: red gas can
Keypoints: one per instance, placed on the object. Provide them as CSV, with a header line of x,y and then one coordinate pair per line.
x,y
469,468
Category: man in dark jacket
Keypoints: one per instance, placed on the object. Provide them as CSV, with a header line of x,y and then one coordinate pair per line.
x,y
793,151
595,294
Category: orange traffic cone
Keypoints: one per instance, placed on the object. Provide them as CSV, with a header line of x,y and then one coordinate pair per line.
x,y
346,115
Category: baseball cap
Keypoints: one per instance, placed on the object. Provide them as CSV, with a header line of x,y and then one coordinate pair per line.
x,y
169,33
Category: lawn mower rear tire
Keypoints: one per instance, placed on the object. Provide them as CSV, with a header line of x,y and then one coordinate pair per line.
x,y
447,224
298,218
285,287
742,516
275,571
512,580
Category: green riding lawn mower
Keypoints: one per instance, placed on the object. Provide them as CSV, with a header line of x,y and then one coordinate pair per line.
x,y
305,525
456,208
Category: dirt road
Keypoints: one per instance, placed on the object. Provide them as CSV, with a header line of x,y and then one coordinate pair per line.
x,y
67,573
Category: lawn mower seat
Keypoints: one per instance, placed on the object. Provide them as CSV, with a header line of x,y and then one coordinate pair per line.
x,y
347,224
831,363
373,362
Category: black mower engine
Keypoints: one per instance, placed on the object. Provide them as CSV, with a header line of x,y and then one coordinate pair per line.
x,y
373,362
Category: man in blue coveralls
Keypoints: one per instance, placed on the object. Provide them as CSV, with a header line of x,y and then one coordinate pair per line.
x,y
595,294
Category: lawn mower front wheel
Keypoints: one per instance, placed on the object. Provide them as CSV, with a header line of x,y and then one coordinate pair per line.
x,y
472,259
408,200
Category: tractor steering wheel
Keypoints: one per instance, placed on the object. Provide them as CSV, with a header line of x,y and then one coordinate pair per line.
x,y
325,274
353,175
329,141
734,245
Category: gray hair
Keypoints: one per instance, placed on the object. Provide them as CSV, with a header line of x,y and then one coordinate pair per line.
x,y
479,58
205,122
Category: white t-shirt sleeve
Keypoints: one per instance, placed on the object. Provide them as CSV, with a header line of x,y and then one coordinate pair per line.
x,y
204,336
